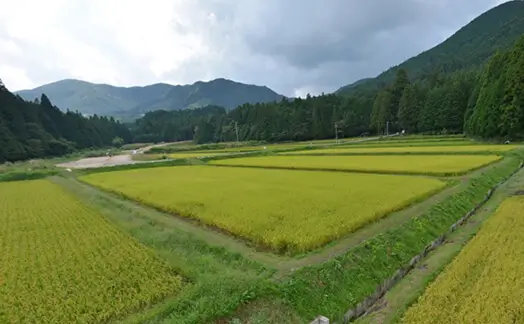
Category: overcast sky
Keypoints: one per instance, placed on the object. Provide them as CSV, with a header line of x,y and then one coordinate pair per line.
x,y
292,46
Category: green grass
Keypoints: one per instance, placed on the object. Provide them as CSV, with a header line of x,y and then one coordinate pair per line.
x,y
335,286
149,157
263,311
191,155
439,165
414,138
286,211
131,167
190,146
28,170
406,292
246,146
409,143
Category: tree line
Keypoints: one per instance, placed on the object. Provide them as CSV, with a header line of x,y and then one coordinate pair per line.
x,y
39,129
483,102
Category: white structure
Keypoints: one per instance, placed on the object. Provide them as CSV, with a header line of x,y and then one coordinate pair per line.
x,y
321,320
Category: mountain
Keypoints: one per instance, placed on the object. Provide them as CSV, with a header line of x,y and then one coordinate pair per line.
x,y
469,48
104,99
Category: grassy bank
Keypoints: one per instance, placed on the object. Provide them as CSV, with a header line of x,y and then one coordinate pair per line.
x,y
333,287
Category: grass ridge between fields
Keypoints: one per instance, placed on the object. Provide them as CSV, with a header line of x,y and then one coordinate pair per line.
x,y
487,267
259,232
341,283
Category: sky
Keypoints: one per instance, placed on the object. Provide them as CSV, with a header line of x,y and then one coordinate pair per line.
x,y
294,47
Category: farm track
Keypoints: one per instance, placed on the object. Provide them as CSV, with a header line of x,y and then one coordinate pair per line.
x,y
104,161
111,203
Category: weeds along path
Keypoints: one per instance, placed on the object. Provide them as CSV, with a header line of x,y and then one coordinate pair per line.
x,y
111,203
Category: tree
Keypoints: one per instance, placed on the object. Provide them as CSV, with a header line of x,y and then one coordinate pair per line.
x,y
498,112
38,129
401,82
117,141
387,102
428,116
409,106
383,104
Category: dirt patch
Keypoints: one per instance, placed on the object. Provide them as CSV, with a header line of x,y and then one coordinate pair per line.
x,y
104,161
519,193
263,311
98,162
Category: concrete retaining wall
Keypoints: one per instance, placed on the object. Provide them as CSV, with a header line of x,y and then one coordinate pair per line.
x,y
363,307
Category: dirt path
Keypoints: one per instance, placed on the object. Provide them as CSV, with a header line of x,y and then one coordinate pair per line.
x,y
98,162
147,148
104,161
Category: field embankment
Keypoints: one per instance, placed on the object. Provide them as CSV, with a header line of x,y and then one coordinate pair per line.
x,y
484,283
285,211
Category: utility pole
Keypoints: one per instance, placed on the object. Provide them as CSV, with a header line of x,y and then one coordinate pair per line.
x,y
236,130
387,128
336,133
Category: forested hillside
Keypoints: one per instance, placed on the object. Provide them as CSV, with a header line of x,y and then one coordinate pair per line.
x,y
499,97
489,101
468,48
39,129
438,107
300,119
132,102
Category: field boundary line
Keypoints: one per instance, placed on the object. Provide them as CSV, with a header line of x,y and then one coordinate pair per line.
x,y
284,265
364,306
200,232
383,172
281,263
501,153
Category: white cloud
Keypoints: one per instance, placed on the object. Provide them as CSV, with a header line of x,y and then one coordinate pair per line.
x,y
14,78
292,46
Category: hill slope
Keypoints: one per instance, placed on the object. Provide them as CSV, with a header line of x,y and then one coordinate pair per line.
x,y
470,47
103,99
35,130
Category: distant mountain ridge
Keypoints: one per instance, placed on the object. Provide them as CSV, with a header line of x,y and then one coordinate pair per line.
x,y
470,47
104,99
